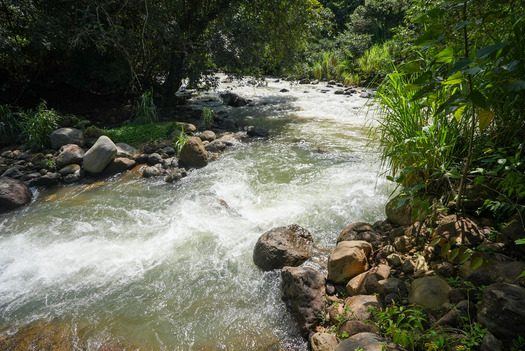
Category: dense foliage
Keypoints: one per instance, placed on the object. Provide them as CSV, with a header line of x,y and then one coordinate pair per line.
x,y
454,114
110,46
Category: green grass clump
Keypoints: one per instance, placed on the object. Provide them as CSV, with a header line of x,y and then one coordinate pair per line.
x,y
39,124
136,134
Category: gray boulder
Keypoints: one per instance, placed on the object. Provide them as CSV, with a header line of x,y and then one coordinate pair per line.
x,y
64,136
100,155
283,246
503,311
13,193
361,305
303,290
193,154
69,154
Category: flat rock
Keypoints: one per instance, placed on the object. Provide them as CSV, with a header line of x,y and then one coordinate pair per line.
x,y
363,341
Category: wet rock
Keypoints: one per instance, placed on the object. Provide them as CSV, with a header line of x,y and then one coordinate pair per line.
x,y
429,292
232,99
118,165
283,246
254,131
48,179
125,150
193,154
74,177
400,215
175,175
69,154
363,341
64,136
141,159
208,135
323,342
339,92
304,81
502,310
13,194
12,172
283,90
359,231
149,172
303,292
99,155
348,260
360,305
215,146
168,150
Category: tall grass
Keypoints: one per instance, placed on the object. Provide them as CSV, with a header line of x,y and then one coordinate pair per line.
x,y
416,142
376,61
145,109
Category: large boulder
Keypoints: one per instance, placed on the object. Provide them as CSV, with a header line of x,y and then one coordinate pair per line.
x,y
232,99
283,246
361,305
193,154
429,292
125,150
69,154
359,231
501,269
13,193
503,311
100,155
363,341
349,259
303,290
64,136
398,212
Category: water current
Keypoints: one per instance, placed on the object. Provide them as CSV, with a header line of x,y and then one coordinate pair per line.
x,y
169,266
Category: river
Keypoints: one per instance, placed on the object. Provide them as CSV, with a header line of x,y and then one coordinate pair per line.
x,y
169,266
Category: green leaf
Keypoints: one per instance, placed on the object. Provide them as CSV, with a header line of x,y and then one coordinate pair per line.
x,y
453,254
453,173
445,56
459,65
456,78
462,24
459,112
411,67
516,85
435,241
477,99
520,241
476,261
473,71
445,249
464,257
478,180
483,52
521,275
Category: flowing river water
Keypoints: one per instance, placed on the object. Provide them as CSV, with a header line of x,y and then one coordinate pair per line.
x,y
169,266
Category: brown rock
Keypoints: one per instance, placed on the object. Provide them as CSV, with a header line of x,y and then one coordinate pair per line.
x,y
13,193
348,260
193,154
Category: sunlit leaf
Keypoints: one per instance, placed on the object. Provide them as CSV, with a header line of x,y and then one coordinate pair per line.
x,y
520,241
456,78
459,112
445,56
485,117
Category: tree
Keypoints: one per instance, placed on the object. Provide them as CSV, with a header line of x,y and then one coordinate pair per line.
x,y
110,45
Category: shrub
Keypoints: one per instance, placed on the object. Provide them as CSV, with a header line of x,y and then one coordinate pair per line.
x,y
39,124
145,109
10,125
136,134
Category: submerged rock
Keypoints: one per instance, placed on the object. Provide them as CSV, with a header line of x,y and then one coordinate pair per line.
x,y
232,99
283,246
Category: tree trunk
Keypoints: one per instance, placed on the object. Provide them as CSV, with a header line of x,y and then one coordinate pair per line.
x,y
174,79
